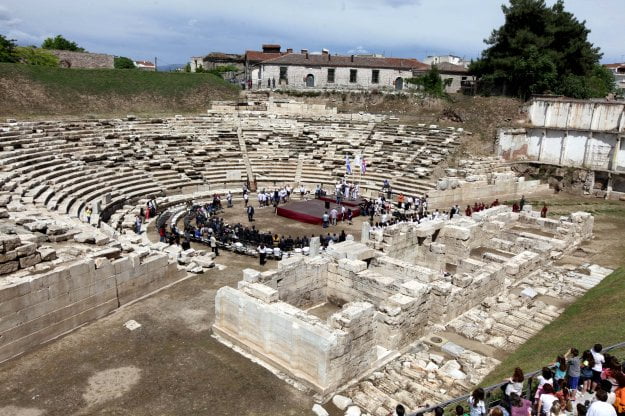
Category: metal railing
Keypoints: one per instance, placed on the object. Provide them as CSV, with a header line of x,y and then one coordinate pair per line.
x,y
529,377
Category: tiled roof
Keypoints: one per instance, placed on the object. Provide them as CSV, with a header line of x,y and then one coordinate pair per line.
x,y
257,56
144,63
346,61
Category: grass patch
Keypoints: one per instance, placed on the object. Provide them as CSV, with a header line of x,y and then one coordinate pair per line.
x,y
31,89
596,317
111,81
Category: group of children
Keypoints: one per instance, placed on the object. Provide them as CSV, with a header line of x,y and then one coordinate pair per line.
x,y
558,386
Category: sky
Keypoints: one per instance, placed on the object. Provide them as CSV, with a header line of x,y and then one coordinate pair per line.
x,y
175,30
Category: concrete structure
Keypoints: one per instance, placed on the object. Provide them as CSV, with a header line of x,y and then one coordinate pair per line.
x,y
564,132
69,59
386,293
326,71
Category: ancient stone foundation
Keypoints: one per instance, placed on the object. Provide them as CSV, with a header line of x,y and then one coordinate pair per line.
x,y
36,308
328,320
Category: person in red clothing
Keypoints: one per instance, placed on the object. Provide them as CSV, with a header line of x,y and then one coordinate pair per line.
x,y
468,211
543,212
495,203
515,207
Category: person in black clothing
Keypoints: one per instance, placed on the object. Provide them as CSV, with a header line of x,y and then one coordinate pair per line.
x,y
186,245
342,236
250,213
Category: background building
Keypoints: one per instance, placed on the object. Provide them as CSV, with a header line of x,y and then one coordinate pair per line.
x,y
449,59
326,71
619,74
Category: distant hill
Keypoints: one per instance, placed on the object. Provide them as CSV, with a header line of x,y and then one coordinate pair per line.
x,y
29,90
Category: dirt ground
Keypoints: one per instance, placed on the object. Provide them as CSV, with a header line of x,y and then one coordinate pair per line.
x,y
172,366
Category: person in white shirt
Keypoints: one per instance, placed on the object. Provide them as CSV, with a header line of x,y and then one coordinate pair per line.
x,y
598,367
546,400
476,403
384,219
601,407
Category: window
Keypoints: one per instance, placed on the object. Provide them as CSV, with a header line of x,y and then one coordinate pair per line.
x,y
353,75
331,72
283,74
375,76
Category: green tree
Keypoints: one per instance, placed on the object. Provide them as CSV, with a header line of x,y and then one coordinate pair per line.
x,y
541,49
60,43
431,82
7,50
34,56
121,62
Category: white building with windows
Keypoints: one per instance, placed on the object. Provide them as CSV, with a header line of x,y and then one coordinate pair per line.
x,y
446,59
324,71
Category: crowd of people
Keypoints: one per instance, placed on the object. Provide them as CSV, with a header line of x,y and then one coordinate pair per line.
x,y
590,384
587,384
204,224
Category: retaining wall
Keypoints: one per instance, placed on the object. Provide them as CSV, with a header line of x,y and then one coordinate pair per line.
x,y
38,308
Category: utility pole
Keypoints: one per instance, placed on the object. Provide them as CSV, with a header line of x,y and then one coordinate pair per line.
x,y
155,64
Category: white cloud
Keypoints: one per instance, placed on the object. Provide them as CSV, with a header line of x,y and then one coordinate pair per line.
x,y
358,50
174,31
6,19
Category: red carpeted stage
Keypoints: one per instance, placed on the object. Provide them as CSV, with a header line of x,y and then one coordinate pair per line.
x,y
311,211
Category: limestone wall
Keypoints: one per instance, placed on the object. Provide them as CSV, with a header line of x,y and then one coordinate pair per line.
x,y
299,281
318,354
41,307
484,191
